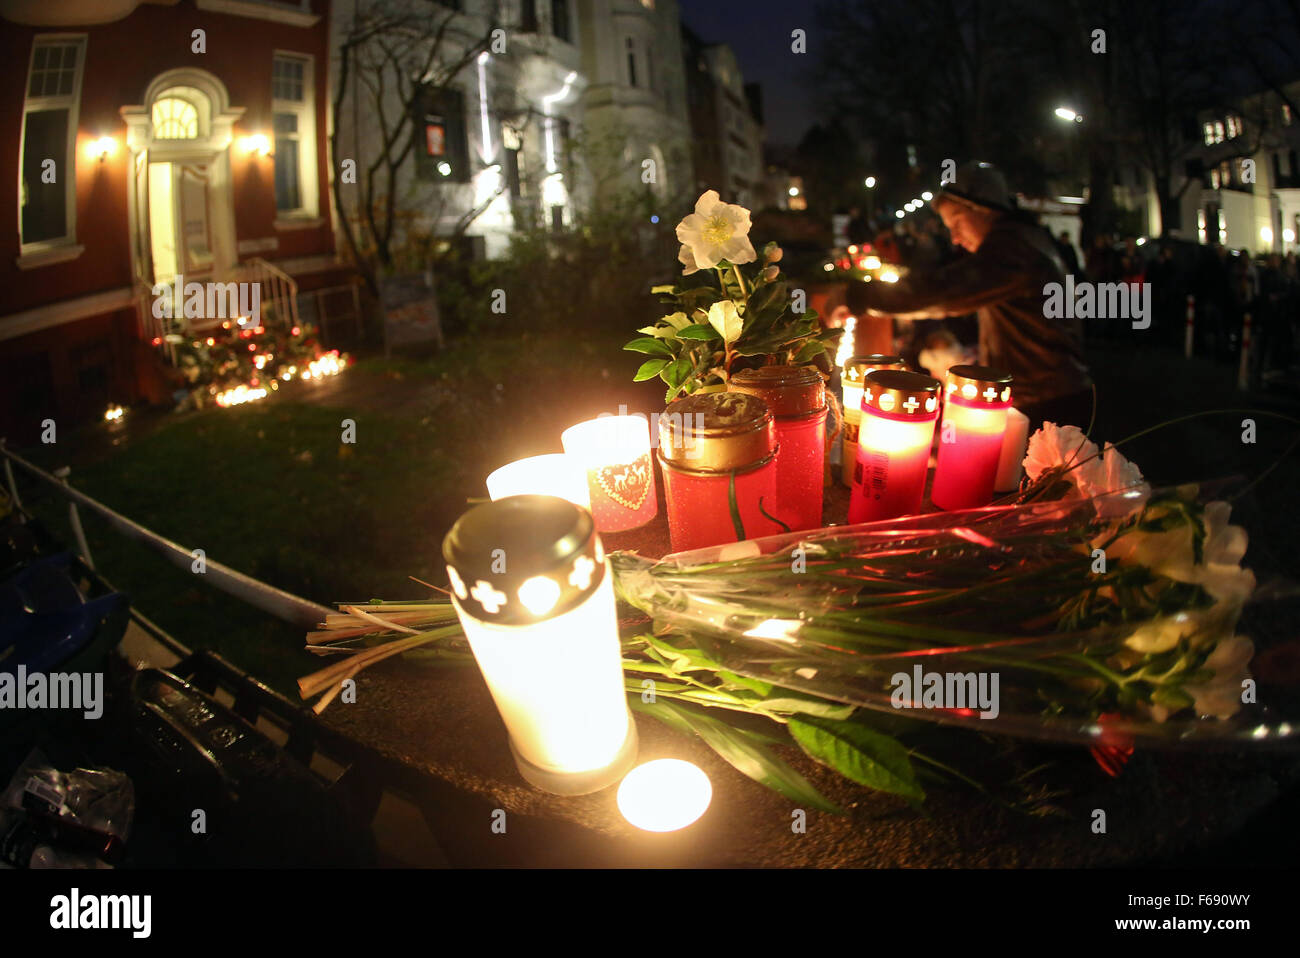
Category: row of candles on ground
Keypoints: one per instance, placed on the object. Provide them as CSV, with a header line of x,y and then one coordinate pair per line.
x,y
533,587
761,445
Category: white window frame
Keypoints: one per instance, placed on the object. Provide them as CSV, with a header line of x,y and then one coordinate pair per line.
x,y
62,248
308,182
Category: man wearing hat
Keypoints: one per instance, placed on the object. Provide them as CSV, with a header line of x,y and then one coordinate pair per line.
x,y
1012,259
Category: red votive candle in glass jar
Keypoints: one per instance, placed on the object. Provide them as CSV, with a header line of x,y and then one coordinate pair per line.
x,y
614,454
899,410
714,447
855,370
976,400
797,397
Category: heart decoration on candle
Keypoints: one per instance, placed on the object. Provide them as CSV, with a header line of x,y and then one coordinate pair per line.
x,y
627,483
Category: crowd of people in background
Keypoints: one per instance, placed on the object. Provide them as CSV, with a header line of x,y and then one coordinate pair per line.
x,y
1227,285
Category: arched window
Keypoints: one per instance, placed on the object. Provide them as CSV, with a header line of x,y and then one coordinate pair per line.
x,y
175,119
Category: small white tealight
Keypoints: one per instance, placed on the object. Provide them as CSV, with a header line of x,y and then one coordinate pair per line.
x,y
664,795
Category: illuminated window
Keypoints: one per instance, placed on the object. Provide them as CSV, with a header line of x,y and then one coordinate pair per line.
x,y
175,119
1286,114
1209,134
1214,179
1234,127
1218,132
293,121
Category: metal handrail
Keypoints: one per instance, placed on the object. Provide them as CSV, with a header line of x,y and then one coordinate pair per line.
x,y
283,605
278,288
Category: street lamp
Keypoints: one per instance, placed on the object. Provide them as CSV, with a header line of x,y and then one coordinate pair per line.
x,y
871,182
899,214
1068,115
927,196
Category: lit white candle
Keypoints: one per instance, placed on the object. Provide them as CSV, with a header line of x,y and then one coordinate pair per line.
x,y
664,795
614,453
1015,443
535,596
554,474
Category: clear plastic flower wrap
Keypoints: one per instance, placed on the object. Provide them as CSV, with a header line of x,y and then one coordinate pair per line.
x,y
1089,619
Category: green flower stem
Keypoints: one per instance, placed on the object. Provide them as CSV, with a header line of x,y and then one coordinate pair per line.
x,y
740,280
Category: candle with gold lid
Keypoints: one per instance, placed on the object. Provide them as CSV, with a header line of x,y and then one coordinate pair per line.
x,y
976,400
899,410
855,370
535,596
716,449
796,395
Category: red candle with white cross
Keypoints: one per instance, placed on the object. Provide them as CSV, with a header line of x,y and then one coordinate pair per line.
x,y
976,400
899,410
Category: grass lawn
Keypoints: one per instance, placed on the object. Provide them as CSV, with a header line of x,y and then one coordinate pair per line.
x,y
270,489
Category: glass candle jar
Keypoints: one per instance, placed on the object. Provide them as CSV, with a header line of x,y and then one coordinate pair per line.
x,y
899,410
614,453
718,454
535,596
554,474
976,400
796,395
854,371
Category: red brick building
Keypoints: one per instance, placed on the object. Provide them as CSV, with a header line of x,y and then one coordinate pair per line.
x,y
146,139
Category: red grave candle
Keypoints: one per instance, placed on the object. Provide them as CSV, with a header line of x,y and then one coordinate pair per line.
x,y
797,397
899,410
614,453
970,437
716,448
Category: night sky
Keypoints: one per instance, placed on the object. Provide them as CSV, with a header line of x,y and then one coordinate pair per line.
x,y
758,32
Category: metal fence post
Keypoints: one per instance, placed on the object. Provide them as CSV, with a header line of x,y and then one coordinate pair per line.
x,y
74,517
9,478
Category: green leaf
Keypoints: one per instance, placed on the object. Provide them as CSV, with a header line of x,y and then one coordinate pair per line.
x,y
744,681
675,373
808,352
787,701
677,320
859,754
669,288
683,660
768,302
649,369
697,331
648,344
736,522
742,752
725,318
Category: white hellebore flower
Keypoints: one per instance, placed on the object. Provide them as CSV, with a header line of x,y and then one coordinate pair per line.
x,y
714,232
687,259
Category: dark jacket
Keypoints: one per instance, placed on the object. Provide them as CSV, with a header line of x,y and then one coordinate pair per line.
x,y
1003,282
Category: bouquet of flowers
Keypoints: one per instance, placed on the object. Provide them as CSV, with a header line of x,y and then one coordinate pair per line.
x,y
1092,608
